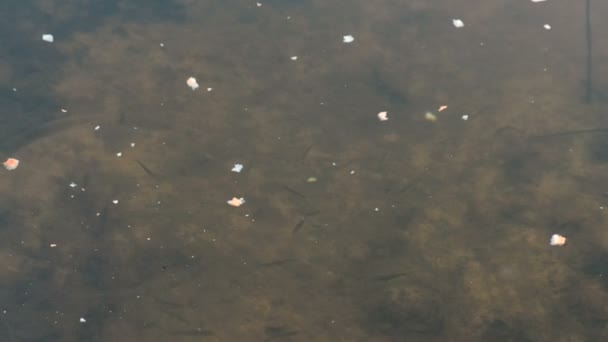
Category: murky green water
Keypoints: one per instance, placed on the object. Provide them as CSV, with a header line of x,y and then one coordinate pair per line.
x,y
414,230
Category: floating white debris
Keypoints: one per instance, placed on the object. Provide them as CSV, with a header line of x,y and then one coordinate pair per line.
x,y
430,117
294,58
209,89
236,202
237,168
547,26
348,39
115,201
73,185
97,128
53,245
132,144
11,164
191,82
48,38
119,154
162,45
82,320
259,4
63,110
538,0
557,240
457,23
383,116
465,117
444,107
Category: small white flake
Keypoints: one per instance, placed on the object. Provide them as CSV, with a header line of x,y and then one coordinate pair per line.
x,y
63,110
82,320
538,0
119,154
259,4
547,26
97,128
11,164
465,117
237,168
294,58
53,245
457,23
236,202
48,38
162,45
191,82
132,144
115,201
348,39
557,240
352,172
383,116
73,185
209,89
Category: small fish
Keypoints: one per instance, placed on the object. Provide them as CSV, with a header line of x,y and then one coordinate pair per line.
x,y
298,226
146,169
277,262
387,277
294,191
193,332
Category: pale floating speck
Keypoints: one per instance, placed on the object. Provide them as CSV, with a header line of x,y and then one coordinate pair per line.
x,y
48,38
348,39
294,58
457,23
430,117
538,0
115,201
237,168
97,128
236,202
53,245
162,45
11,164
259,4
73,185
132,144
191,82
63,110
465,117
352,172
119,154
82,320
444,107
383,116
311,180
547,26
209,89
557,240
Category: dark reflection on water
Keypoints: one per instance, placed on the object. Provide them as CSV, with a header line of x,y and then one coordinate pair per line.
x,y
353,229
